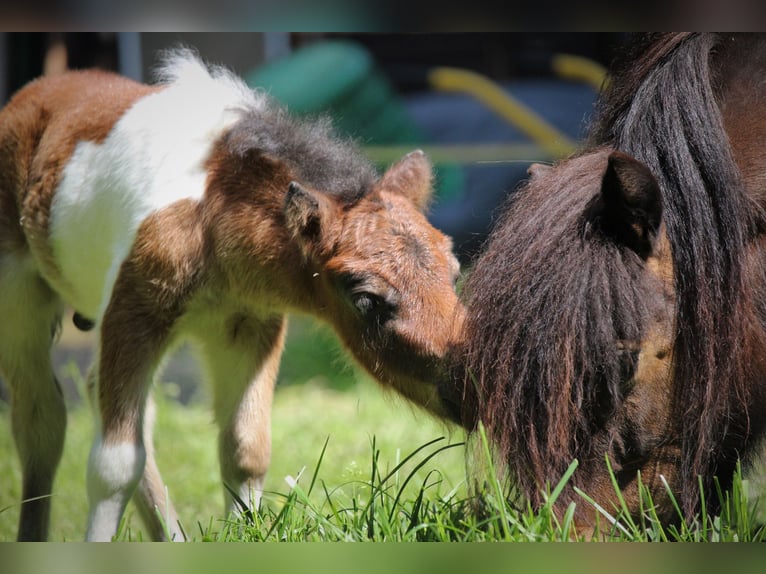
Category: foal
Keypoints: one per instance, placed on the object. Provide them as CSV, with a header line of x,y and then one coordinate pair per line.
x,y
197,209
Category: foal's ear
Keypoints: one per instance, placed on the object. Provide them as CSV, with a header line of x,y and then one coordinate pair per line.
x,y
632,203
304,211
536,170
411,176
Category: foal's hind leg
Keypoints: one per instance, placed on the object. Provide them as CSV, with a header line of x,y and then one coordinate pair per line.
x,y
243,360
29,315
151,498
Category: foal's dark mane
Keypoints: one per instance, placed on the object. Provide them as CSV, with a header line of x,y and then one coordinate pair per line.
x,y
315,154
544,319
313,151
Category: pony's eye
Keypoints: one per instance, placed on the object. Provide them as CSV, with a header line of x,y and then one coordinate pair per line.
x,y
627,353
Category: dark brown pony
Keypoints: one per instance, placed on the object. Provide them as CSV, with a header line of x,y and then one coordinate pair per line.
x,y
618,309
197,209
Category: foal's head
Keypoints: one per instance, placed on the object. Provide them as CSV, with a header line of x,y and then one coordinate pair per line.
x,y
383,276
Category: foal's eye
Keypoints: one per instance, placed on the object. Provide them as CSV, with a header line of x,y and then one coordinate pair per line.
x,y
369,296
366,302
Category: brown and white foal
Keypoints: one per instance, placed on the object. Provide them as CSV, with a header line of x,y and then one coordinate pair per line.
x,y
197,209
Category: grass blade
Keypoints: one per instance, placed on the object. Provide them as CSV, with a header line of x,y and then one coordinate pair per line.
x,y
319,463
414,470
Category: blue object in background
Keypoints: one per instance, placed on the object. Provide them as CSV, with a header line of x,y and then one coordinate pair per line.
x,y
448,118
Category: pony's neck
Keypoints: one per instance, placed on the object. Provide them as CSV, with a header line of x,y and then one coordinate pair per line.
x,y
742,81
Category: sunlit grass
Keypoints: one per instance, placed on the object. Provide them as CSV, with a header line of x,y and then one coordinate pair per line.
x,y
355,464
305,417
351,465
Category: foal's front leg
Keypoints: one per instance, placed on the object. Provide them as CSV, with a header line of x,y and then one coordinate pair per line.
x,y
242,357
131,347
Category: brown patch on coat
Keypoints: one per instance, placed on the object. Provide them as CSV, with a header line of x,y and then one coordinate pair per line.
x,y
41,126
155,282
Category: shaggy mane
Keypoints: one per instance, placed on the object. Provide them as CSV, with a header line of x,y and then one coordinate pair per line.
x,y
665,112
544,318
315,153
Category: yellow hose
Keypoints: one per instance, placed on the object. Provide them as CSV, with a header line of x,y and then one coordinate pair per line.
x,y
580,69
494,97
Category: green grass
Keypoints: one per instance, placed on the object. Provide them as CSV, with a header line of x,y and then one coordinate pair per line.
x,y
305,418
353,464
311,410
350,465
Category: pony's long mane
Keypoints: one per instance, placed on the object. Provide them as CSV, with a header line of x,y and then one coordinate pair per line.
x,y
543,322
664,111
544,318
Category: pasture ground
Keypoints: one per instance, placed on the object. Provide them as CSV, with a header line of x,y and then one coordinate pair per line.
x,y
341,466
319,398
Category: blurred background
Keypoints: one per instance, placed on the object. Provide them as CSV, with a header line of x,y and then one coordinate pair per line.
x,y
482,105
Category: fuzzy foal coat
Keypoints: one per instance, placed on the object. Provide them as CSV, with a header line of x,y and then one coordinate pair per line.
x,y
197,208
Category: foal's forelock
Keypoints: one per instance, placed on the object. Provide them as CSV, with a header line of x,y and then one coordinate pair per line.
x,y
312,151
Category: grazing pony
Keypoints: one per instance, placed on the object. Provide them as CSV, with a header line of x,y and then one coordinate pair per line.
x,y
619,307
197,208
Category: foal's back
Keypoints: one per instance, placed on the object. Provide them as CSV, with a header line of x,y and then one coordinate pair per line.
x,y
46,120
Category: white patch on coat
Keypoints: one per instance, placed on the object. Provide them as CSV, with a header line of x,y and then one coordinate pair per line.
x,y
153,157
113,473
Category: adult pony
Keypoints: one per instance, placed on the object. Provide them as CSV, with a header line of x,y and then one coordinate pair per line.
x,y
618,309
197,208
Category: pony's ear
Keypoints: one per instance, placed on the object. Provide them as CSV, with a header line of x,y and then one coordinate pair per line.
x,y
411,176
304,211
631,203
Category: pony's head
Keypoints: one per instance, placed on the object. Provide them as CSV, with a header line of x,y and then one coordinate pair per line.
x,y
383,276
568,339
